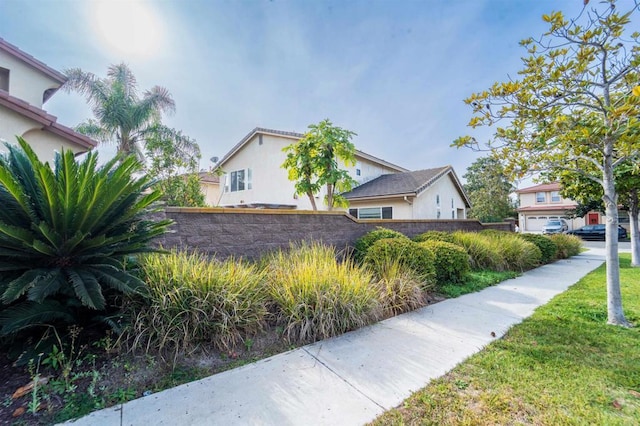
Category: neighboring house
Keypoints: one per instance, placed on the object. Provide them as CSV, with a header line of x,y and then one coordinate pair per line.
x,y
25,85
254,177
210,185
422,194
540,203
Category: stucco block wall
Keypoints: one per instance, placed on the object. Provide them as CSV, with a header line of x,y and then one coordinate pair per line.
x,y
251,233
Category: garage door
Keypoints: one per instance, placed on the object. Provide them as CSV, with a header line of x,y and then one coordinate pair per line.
x,y
535,223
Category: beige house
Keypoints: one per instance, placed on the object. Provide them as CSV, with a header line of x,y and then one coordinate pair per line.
x,y
210,185
541,203
25,85
422,194
254,177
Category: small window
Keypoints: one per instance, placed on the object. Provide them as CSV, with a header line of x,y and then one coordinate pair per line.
x,y
353,212
259,139
358,172
387,213
438,215
4,79
555,197
452,203
540,197
453,214
438,200
238,180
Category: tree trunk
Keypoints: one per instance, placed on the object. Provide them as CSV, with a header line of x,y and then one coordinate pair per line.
x,y
313,200
330,196
615,313
633,228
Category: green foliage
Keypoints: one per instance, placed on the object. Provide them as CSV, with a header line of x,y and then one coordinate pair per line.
x,y
318,297
451,261
434,236
574,108
66,235
489,190
194,299
173,162
568,245
410,254
121,116
483,254
548,248
475,281
518,254
313,162
363,243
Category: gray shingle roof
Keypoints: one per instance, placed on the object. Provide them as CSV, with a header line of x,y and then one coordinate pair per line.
x,y
398,183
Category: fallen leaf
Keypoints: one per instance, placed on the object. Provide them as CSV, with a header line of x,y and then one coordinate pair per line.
x,y
18,412
635,393
22,391
616,405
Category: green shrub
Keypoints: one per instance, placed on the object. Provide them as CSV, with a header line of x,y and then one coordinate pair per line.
x,y
547,247
568,245
66,234
193,299
316,296
434,235
400,288
483,255
451,261
410,255
363,243
519,255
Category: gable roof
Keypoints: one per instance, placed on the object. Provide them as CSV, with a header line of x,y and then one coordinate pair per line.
x,y
49,122
294,137
404,184
31,61
543,187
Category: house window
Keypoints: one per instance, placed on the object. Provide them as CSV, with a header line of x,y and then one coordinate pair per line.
x,y
555,197
438,215
238,180
372,213
453,214
358,172
438,200
452,203
4,79
540,197
259,139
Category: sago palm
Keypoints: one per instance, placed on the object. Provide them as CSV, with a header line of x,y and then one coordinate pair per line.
x,y
121,115
66,234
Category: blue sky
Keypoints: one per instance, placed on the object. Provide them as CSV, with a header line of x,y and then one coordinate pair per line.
x,y
394,72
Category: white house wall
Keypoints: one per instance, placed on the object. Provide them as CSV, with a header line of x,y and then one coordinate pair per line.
x,y
43,143
25,82
270,182
425,205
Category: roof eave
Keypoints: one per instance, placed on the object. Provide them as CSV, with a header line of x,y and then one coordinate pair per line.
x,y
31,61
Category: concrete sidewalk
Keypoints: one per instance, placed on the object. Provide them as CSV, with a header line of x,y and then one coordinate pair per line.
x,y
351,379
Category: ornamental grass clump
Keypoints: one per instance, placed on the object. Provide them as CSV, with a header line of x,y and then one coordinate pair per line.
x,y
450,260
316,296
568,245
519,255
409,254
193,299
400,287
483,254
363,243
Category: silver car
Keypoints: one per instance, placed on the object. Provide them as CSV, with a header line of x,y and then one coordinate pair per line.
x,y
555,226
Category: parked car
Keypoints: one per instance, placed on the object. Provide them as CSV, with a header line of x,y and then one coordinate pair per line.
x,y
555,226
596,232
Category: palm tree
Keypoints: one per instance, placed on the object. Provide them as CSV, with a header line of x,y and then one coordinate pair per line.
x,y
121,116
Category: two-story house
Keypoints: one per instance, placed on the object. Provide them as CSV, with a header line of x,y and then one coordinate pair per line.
x,y
541,203
25,85
254,177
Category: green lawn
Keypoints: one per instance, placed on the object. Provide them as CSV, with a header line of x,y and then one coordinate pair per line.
x,y
561,366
